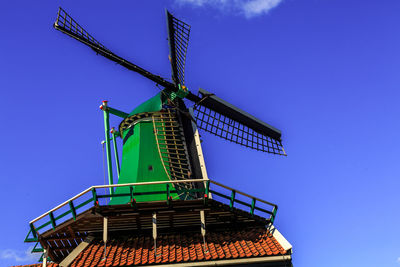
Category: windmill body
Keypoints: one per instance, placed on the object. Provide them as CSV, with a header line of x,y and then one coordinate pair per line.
x,y
155,149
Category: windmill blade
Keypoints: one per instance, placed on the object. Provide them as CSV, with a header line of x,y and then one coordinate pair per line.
x,y
178,40
220,118
66,24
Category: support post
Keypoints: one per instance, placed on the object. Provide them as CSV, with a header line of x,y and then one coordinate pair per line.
x,y
45,255
105,229
108,147
114,139
203,229
105,235
154,221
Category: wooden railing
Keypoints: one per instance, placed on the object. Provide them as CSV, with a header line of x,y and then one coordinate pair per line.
x,y
206,191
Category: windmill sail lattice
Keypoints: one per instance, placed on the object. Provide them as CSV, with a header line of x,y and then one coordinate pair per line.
x,y
231,130
178,38
69,25
222,119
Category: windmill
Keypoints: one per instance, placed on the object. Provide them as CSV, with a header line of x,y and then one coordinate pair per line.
x,y
162,180
162,124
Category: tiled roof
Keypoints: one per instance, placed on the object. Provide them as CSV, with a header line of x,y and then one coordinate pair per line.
x,y
179,248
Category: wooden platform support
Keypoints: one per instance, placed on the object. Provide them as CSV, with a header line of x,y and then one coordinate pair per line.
x,y
105,235
45,254
154,221
203,229
71,256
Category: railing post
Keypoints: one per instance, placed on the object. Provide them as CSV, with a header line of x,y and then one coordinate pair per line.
x,y
167,186
72,208
114,139
253,205
94,195
232,199
206,192
108,147
53,222
131,192
275,209
133,200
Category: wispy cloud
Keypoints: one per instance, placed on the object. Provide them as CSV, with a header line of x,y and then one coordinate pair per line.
x,y
398,260
259,7
248,8
19,256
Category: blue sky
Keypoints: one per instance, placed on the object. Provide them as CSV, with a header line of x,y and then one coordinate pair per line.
x,y
324,72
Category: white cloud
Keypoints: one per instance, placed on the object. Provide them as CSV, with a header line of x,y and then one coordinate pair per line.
x,y
201,2
19,256
259,7
248,8
398,260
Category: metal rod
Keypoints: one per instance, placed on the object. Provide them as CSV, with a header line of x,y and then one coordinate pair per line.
x,y
114,139
117,112
108,147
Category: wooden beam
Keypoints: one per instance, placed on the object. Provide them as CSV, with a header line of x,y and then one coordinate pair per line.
x,y
154,221
71,256
44,263
105,229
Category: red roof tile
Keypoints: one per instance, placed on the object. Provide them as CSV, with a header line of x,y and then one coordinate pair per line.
x,y
176,248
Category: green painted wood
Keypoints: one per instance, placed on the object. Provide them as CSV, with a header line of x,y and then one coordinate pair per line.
x,y
168,195
84,203
114,140
233,193
33,230
62,215
43,225
37,249
108,146
73,211
94,196
117,112
52,220
141,160
273,215
253,204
